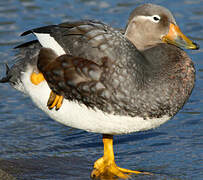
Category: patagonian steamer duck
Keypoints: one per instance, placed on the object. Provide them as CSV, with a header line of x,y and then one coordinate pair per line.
x,y
90,76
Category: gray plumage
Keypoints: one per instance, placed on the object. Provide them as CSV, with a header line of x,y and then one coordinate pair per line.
x,y
151,82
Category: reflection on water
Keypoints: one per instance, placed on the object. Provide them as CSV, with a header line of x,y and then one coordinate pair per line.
x,y
30,141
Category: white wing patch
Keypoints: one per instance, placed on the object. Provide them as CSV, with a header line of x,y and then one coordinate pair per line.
x,y
49,42
154,18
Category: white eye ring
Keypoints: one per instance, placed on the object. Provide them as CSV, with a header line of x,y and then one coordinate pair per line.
x,y
155,18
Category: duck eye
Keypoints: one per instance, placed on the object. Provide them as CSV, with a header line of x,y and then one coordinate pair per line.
x,y
156,18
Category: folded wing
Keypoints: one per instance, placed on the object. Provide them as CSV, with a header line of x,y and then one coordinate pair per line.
x,y
73,77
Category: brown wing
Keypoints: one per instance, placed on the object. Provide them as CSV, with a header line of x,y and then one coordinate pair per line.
x,y
74,78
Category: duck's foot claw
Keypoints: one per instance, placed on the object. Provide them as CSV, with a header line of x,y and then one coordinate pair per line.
x,y
109,170
36,78
54,101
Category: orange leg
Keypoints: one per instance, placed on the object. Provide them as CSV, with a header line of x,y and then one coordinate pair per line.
x,y
106,168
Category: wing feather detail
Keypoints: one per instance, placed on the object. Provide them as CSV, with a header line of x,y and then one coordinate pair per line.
x,y
73,77
87,39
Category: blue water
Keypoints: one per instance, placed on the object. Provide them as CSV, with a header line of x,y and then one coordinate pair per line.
x,y
39,148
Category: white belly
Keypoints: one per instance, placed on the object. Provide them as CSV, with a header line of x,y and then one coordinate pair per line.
x,y
79,116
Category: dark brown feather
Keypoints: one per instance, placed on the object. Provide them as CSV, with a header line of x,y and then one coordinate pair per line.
x,y
67,75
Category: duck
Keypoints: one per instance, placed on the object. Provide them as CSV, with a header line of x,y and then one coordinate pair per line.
x,y
90,76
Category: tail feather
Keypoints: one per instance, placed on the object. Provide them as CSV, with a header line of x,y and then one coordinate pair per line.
x,y
8,77
26,54
26,44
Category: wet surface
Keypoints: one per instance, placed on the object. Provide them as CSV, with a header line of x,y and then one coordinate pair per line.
x,y
33,146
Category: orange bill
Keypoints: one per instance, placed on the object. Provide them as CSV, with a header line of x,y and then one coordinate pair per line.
x,y
176,37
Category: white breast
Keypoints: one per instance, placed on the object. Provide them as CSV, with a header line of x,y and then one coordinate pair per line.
x,y
79,116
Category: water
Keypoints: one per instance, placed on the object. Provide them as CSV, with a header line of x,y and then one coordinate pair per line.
x,y
33,146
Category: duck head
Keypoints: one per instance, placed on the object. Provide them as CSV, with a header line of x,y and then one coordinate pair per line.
x,y
150,24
